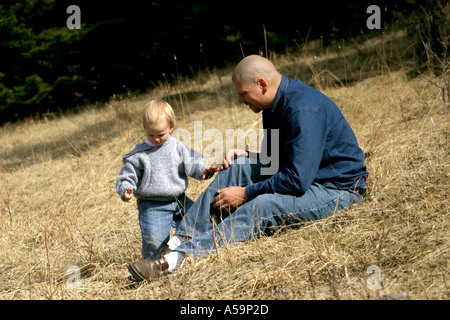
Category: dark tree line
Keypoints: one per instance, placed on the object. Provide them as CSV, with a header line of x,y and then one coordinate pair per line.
x,y
125,46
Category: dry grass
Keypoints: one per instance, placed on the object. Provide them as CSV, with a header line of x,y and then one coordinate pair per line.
x,y
59,207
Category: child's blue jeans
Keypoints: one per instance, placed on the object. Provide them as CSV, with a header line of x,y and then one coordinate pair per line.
x,y
156,218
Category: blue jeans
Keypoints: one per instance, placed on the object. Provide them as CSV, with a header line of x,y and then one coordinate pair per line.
x,y
156,218
264,214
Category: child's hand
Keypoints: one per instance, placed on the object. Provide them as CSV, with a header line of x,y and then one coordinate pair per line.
x,y
208,172
127,195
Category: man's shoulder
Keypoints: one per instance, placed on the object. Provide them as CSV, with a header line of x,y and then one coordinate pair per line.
x,y
299,96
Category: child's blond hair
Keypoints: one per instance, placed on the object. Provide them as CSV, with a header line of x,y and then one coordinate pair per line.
x,y
154,110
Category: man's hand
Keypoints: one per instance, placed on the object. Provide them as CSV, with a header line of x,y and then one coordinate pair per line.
x,y
208,172
228,159
230,197
127,195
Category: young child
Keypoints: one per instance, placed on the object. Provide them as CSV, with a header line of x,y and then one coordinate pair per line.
x,y
155,172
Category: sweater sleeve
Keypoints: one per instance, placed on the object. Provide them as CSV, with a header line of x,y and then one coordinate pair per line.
x,y
193,161
128,177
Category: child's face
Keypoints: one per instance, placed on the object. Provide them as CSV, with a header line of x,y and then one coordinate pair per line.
x,y
159,132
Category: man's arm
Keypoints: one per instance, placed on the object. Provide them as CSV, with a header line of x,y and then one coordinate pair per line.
x,y
302,151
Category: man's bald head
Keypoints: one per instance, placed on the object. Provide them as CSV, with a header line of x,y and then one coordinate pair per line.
x,y
253,67
256,82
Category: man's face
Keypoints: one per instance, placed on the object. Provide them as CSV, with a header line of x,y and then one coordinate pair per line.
x,y
251,94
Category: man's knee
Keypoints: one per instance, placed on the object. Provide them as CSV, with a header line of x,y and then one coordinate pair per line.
x,y
239,167
265,199
264,203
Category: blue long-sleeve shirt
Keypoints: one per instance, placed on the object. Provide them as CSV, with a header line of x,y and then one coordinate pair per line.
x,y
316,144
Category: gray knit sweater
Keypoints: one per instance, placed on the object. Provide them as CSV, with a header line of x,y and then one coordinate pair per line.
x,y
159,172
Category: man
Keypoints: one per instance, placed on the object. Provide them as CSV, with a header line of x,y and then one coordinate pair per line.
x,y
319,170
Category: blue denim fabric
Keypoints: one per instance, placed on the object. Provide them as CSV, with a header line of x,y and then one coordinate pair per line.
x,y
264,214
315,143
156,218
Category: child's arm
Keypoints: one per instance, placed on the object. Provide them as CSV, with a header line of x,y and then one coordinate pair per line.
x,y
194,164
127,181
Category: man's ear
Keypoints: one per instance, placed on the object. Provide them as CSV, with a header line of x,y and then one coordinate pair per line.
x,y
262,84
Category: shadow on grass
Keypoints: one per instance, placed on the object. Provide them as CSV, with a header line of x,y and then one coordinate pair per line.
x,y
73,145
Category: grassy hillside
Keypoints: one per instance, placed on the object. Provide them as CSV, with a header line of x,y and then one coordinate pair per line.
x,y
59,207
